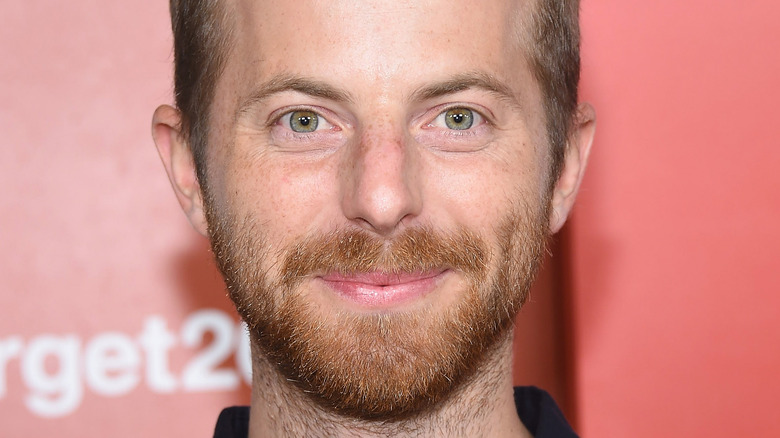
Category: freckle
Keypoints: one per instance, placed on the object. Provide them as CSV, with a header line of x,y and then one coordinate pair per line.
x,y
367,138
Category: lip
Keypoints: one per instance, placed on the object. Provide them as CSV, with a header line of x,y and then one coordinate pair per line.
x,y
380,289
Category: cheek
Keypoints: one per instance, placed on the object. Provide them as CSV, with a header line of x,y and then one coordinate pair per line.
x,y
478,190
472,194
286,196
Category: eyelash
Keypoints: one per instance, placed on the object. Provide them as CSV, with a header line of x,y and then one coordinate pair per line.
x,y
284,116
281,119
482,120
287,112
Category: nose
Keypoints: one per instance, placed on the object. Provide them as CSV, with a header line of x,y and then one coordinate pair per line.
x,y
380,181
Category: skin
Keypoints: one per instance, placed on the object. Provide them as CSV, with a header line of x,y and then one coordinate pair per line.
x,y
382,161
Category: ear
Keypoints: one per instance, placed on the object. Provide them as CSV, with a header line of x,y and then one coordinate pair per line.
x,y
177,158
575,159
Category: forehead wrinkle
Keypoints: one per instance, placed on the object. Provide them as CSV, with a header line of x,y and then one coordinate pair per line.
x,y
288,82
467,81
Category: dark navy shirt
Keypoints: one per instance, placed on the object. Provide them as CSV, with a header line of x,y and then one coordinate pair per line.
x,y
536,409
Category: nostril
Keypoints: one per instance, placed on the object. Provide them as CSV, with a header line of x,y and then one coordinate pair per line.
x,y
380,186
381,207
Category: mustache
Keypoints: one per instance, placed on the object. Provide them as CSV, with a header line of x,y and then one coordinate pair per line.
x,y
415,250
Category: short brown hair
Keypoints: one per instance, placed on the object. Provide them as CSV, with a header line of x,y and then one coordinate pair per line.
x,y
201,35
555,62
201,47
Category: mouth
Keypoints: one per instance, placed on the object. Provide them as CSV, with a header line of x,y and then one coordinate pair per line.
x,y
378,290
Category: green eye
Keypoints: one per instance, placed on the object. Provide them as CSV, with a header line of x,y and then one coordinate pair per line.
x,y
459,118
303,121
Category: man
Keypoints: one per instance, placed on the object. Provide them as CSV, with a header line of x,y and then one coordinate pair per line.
x,y
378,180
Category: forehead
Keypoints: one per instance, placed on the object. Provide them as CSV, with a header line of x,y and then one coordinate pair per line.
x,y
393,45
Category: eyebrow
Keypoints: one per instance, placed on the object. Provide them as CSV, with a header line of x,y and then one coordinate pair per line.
x,y
466,81
320,89
282,83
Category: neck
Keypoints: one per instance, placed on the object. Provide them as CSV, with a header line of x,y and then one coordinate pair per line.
x,y
483,407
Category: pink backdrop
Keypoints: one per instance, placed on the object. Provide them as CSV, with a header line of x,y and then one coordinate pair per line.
x,y
102,282
113,321
675,258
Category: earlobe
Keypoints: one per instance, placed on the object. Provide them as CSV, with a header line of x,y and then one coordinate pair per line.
x,y
177,158
575,160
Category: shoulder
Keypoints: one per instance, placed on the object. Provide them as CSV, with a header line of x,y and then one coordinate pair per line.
x,y
540,414
233,422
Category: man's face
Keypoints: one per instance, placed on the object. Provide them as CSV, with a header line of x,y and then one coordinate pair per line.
x,y
377,191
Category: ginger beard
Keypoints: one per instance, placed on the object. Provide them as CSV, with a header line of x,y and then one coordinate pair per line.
x,y
387,365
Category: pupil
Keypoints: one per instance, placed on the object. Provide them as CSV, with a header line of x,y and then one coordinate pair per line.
x,y
303,121
459,118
